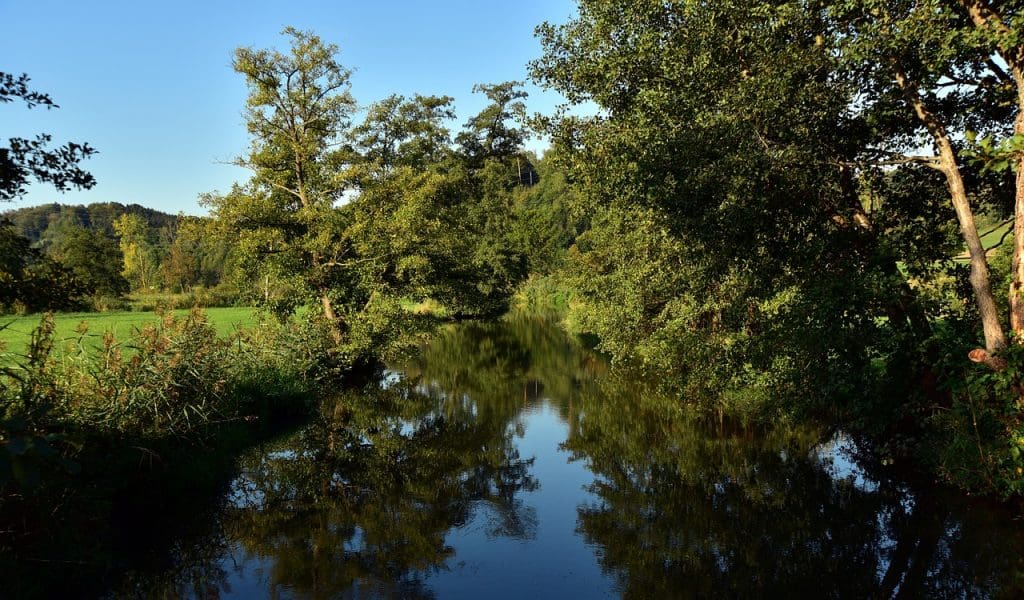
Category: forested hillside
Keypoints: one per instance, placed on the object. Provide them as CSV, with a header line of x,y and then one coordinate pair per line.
x,y
33,222
72,257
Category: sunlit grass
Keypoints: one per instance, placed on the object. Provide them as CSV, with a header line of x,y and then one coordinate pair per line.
x,y
17,331
428,306
993,234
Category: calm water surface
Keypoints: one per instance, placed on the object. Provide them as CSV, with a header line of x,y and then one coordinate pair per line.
x,y
507,461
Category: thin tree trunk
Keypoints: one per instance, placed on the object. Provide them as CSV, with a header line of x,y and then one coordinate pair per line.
x,y
1017,280
328,308
1017,271
325,299
332,317
995,338
987,17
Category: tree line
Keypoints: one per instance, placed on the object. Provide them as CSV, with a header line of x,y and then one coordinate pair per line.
x,y
72,257
352,211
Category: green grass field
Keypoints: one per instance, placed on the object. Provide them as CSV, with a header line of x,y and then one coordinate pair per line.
x,y
992,235
992,232
17,331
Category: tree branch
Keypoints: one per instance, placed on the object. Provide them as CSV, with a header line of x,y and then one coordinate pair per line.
x,y
928,161
998,71
352,262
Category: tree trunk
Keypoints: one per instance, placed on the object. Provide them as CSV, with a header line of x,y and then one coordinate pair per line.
x,y
1017,281
331,316
987,17
995,338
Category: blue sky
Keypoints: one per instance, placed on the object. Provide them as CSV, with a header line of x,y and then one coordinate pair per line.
x,y
150,84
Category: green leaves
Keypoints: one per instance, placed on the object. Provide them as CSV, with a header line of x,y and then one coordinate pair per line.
x,y
25,160
992,155
714,196
350,220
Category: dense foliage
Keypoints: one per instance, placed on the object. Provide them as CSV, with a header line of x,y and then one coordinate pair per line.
x,y
765,233
33,222
353,219
92,256
757,217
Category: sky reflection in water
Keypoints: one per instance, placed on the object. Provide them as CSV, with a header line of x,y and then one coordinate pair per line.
x,y
506,460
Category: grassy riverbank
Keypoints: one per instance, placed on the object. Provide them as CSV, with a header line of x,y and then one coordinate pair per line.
x,y
75,419
90,327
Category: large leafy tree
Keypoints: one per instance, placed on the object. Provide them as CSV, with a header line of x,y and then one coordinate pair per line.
x,y
729,244
27,276
298,112
141,256
31,280
544,208
492,134
998,30
200,254
94,259
770,187
400,131
437,226
357,218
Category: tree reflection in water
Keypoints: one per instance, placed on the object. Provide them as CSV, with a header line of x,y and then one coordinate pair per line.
x,y
685,509
364,501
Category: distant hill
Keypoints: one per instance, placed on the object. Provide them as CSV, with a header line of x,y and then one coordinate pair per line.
x,y
32,221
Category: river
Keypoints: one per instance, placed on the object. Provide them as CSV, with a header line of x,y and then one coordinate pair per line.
x,y
507,460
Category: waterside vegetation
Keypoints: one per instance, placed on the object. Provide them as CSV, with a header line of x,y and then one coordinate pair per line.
x,y
760,219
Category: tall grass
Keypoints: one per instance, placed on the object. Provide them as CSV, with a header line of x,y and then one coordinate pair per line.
x,y
171,382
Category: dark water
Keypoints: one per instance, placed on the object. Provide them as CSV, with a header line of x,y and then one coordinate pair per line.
x,y
507,461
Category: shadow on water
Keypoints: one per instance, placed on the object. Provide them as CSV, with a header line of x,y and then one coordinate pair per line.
x,y
443,480
136,507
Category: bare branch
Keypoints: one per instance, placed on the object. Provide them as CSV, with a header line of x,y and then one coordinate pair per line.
x,y
928,161
998,71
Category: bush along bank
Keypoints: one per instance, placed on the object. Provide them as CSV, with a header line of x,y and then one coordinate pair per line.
x,y
145,420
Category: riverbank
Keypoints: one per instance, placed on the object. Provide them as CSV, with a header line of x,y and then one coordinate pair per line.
x,y
90,432
507,459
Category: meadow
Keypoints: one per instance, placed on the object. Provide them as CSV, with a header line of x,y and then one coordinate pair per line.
x,y
16,331
993,233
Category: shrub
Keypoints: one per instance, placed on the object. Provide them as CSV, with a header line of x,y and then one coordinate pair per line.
x,y
542,294
107,303
977,441
281,365
31,440
169,379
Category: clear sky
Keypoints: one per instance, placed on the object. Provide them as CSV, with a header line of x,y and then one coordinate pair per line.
x,y
150,84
